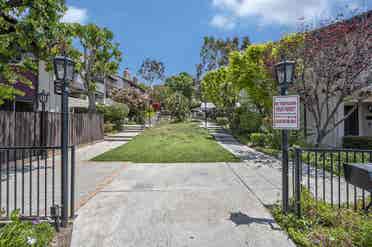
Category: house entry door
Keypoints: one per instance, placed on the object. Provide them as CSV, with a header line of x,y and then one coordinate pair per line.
x,y
352,122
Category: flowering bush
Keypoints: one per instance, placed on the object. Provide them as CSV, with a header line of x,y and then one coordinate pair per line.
x,y
156,106
25,233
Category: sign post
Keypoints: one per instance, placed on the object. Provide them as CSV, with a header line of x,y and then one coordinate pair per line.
x,y
286,116
286,112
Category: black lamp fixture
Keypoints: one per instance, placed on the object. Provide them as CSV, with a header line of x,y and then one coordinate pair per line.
x,y
284,72
64,68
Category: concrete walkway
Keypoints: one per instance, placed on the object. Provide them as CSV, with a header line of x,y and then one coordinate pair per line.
x,y
267,171
261,172
91,176
178,205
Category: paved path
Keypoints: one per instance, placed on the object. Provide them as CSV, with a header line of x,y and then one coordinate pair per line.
x,y
178,205
267,172
91,176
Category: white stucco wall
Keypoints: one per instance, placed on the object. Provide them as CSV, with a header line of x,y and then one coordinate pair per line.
x,y
46,82
365,124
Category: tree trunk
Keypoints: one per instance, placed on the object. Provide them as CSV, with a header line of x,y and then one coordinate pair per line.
x,y
320,138
92,102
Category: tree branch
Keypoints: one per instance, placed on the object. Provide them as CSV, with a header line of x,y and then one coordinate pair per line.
x,y
342,120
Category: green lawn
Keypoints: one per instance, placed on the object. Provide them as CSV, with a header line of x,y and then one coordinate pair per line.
x,y
168,143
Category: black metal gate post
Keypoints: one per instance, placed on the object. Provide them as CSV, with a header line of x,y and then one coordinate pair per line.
x,y
205,115
72,195
298,172
285,193
64,153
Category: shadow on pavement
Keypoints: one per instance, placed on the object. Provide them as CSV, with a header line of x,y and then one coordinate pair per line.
x,y
242,219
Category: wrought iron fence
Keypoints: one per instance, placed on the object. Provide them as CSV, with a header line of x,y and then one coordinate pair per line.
x,y
31,182
321,172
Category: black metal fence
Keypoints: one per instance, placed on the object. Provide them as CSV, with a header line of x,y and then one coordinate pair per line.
x,y
321,172
32,183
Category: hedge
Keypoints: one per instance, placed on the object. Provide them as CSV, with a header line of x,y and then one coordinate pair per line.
x,y
358,142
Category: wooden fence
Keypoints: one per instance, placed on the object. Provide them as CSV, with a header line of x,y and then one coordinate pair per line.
x,y
23,128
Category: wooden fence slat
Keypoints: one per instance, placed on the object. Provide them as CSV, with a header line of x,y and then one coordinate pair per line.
x,y
23,128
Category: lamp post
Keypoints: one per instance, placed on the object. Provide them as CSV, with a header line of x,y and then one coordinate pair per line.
x,y
284,72
43,99
64,72
205,114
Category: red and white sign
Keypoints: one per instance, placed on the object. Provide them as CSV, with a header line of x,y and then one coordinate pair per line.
x,y
286,112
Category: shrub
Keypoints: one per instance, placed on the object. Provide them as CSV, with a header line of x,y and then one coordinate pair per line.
x,y
273,139
323,225
359,142
179,106
114,114
223,121
246,120
108,127
25,233
258,139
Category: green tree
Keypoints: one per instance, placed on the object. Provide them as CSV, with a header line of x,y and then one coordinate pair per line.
x,y
160,94
151,70
101,57
115,114
251,71
179,106
215,52
333,67
218,89
28,32
182,83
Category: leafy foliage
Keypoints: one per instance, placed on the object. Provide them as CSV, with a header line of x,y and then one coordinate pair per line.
x,y
251,71
246,121
29,30
101,57
152,70
25,233
179,106
182,83
322,225
114,114
215,52
218,89
333,64
135,100
258,139
160,94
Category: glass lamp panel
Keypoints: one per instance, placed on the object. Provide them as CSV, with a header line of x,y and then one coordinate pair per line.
x,y
280,72
59,68
289,71
70,71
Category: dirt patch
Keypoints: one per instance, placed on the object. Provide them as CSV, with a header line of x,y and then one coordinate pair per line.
x,y
63,237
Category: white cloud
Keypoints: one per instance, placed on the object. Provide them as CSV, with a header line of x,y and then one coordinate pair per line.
x,y
75,15
285,12
223,22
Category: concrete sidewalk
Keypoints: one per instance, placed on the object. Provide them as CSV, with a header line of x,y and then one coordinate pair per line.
x,y
263,173
90,177
177,205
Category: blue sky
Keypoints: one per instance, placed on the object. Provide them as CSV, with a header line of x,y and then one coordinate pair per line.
x,y
172,30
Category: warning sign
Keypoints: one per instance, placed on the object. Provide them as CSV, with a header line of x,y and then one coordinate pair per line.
x,y
286,113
